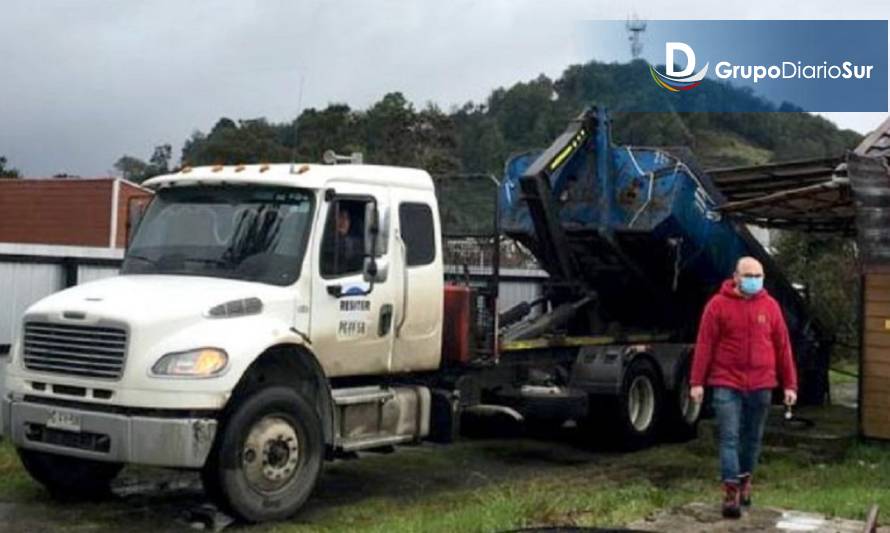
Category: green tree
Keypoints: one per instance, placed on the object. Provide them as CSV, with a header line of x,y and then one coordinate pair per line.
x,y
481,146
7,172
228,143
159,162
136,170
528,115
826,267
131,168
389,130
337,127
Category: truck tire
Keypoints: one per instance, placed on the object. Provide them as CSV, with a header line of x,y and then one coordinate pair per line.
x,y
267,456
630,420
683,414
640,404
70,478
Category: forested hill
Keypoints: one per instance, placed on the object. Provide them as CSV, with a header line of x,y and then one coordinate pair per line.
x,y
478,137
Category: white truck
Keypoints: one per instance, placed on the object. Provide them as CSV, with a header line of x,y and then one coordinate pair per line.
x,y
270,317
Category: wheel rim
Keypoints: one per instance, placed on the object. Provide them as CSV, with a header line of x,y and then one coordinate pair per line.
x,y
641,403
689,409
271,454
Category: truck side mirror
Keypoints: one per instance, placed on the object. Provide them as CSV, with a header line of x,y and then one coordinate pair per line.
x,y
383,232
375,267
372,229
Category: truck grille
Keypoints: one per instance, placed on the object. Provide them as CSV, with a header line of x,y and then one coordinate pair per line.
x,y
87,351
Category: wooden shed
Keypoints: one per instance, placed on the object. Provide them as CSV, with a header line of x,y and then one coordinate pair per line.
x,y
68,211
869,176
874,394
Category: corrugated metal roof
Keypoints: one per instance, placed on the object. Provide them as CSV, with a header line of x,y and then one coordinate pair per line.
x,y
815,194
809,195
742,183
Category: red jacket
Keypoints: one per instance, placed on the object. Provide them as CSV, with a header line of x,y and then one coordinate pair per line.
x,y
743,343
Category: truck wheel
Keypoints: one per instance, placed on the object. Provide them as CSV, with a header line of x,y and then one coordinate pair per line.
x,y
70,478
629,420
684,414
267,457
639,405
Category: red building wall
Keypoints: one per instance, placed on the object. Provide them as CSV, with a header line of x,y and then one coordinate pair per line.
x,y
64,211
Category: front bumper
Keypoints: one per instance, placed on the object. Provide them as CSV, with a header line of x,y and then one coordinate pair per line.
x,y
169,442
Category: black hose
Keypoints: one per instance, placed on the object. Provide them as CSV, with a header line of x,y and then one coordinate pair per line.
x,y
519,311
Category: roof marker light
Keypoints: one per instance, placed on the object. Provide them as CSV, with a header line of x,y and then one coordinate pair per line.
x,y
264,167
303,169
185,170
239,168
217,168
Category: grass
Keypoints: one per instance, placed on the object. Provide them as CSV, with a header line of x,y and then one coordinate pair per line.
x,y
848,370
724,149
489,485
15,484
498,507
845,488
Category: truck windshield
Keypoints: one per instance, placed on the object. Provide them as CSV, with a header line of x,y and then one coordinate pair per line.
x,y
249,233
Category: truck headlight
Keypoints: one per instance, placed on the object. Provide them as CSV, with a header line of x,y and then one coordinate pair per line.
x,y
200,363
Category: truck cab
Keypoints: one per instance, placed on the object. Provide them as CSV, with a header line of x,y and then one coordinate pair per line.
x,y
246,291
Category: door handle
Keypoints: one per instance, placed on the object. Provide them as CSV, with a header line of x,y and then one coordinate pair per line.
x,y
385,320
335,290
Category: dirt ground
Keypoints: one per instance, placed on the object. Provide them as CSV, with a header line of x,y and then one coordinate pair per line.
x,y
158,500
364,490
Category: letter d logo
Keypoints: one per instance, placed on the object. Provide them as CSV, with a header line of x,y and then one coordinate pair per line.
x,y
669,53
683,80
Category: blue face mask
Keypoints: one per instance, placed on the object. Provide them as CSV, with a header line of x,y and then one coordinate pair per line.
x,y
751,286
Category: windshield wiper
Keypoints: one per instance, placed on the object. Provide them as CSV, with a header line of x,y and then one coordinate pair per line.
x,y
148,260
209,261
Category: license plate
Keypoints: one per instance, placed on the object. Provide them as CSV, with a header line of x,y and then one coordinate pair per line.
x,y
64,420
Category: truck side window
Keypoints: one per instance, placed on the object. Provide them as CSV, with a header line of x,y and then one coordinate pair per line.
x,y
416,226
342,249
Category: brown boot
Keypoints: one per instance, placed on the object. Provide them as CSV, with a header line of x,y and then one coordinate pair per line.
x,y
745,490
731,494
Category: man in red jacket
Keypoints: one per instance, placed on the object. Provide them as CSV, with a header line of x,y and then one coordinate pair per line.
x,y
742,352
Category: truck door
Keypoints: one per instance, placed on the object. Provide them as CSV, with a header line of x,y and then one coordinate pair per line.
x,y
418,330
352,317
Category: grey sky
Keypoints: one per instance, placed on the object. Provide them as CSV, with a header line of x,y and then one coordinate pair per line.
x,y
83,82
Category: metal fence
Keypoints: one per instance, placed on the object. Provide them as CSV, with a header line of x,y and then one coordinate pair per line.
x,y
31,272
